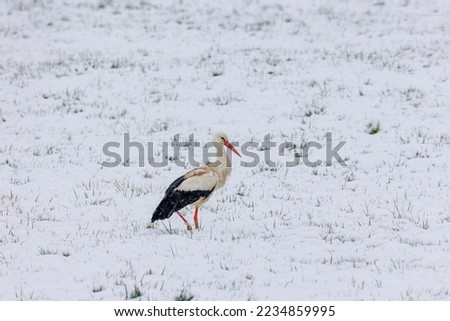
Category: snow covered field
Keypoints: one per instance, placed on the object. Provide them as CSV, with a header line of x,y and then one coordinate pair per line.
x,y
77,74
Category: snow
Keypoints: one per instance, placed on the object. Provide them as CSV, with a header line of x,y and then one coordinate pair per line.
x,y
77,74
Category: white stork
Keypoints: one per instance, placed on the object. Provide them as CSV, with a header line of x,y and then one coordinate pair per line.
x,y
196,186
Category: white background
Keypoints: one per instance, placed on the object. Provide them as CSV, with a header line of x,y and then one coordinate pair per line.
x,y
77,74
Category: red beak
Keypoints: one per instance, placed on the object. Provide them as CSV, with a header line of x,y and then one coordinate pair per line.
x,y
231,147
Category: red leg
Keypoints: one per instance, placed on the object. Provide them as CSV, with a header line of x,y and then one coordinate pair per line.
x,y
189,227
196,217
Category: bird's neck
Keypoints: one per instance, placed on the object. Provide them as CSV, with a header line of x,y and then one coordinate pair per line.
x,y
223,165
222,158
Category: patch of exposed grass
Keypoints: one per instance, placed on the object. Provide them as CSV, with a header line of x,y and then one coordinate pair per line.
x,y
373,127
136,293
184,296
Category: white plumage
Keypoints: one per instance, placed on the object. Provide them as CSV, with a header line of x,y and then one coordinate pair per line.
x,y
206,181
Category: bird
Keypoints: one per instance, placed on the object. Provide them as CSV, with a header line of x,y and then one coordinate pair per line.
x,y
196,186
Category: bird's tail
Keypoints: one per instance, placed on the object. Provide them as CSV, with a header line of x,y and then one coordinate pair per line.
x,y
164,210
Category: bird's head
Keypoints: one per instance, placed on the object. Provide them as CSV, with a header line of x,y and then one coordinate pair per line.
x,y
222,138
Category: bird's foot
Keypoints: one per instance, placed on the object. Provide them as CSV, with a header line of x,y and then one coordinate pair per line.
x,y
188,226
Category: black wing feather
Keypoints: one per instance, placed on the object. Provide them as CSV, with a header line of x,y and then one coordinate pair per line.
x,y
175,184
174,201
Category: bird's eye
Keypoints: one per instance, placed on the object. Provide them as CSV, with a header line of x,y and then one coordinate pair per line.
x,y
223,138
